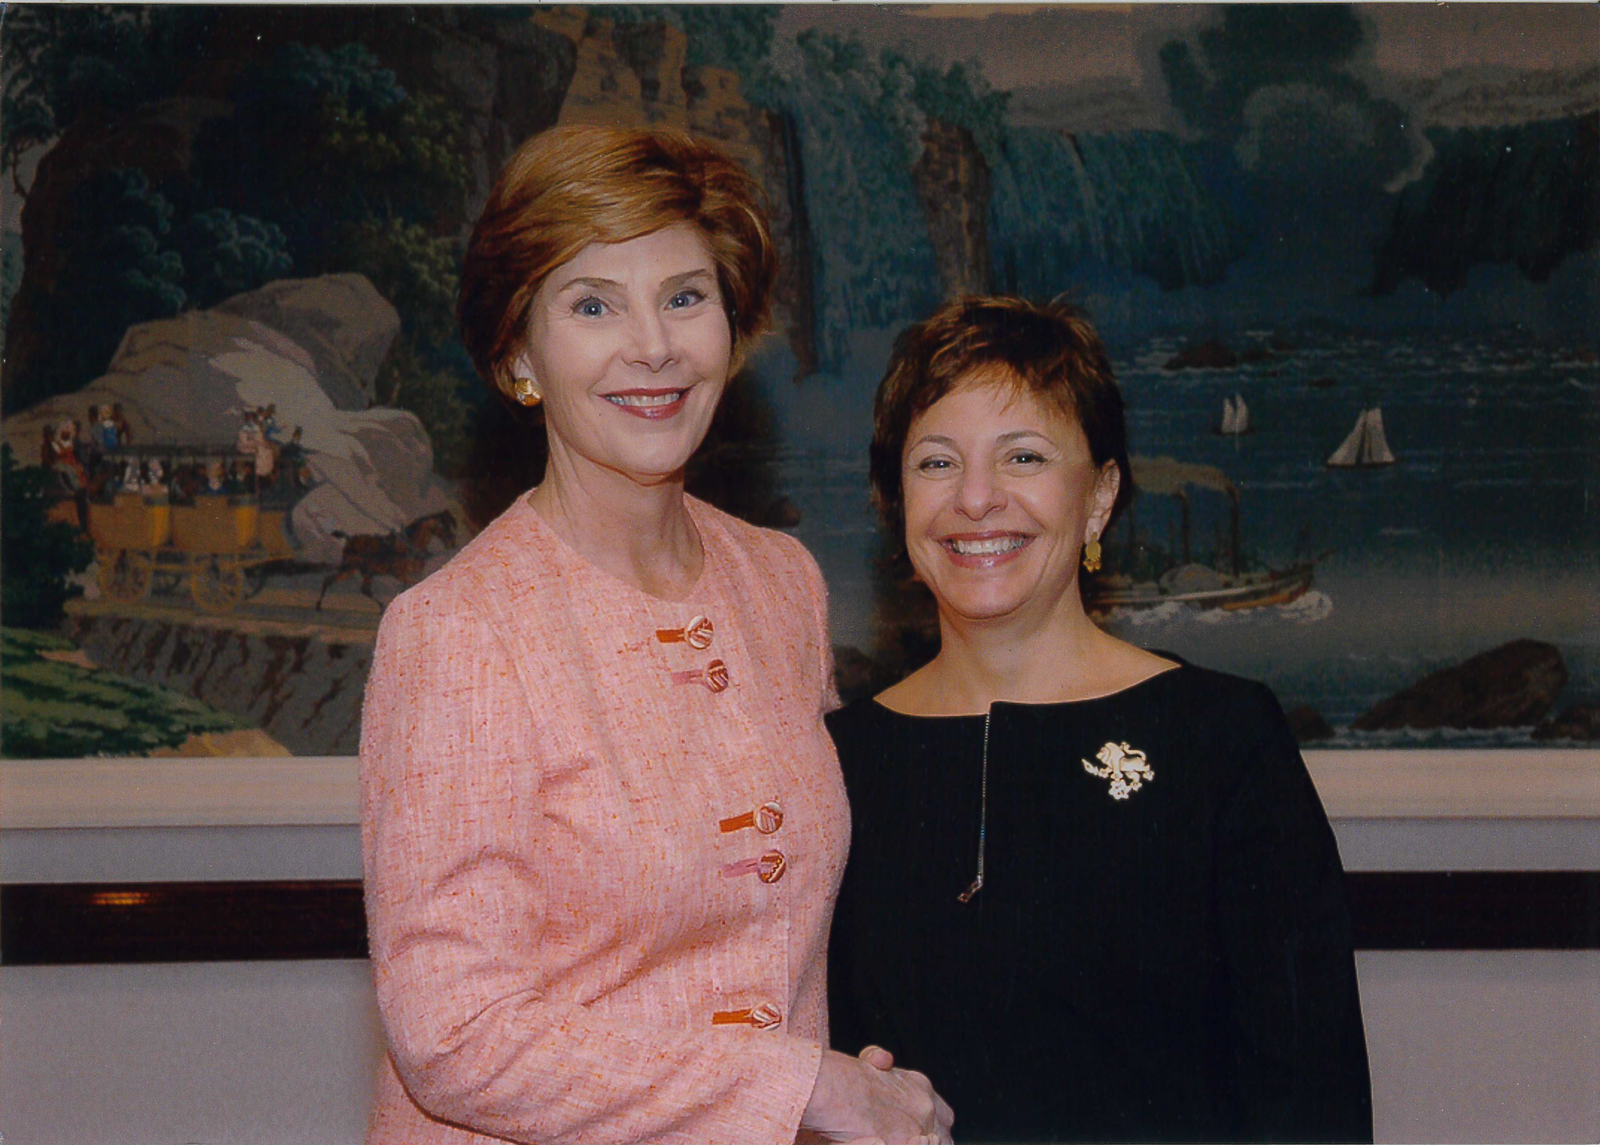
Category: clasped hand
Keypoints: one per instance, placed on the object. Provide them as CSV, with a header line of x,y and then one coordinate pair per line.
x,y
865,1100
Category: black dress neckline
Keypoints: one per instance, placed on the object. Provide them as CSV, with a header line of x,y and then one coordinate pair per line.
x,y
1043,707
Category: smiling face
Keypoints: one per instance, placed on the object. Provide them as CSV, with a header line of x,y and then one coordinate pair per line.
x,y
630,345
1001,493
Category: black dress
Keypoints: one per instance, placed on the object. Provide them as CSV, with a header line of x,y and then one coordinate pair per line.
x,y
1161,948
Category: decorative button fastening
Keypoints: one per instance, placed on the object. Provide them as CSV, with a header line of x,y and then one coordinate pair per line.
x,y
767,818
696,634
769,868
762,1017
713,676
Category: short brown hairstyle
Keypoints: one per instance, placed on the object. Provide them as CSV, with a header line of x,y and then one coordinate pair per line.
x,y
1049,351
571,186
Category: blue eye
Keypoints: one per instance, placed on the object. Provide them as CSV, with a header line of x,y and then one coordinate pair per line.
x,y
685,298
589,307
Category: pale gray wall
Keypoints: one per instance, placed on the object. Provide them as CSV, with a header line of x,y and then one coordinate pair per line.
x,y
1465,1046
280,1053
1483,1046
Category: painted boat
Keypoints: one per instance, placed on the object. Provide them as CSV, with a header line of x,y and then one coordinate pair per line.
x,y
1235,421
1245,590
1228,586
1366,447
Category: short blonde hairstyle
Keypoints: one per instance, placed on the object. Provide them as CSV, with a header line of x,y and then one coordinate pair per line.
x,y
572,186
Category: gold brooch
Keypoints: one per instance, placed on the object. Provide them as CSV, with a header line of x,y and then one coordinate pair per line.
x,y
1123,766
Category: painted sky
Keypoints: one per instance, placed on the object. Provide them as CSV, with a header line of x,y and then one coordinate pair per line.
x,y
1039,46
1093,66
1026,44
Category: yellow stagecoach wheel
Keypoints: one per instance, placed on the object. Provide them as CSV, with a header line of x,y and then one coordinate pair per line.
x,y
255,579
216,583
125,574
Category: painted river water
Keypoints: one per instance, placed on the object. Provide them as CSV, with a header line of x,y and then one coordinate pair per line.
x,y
1486,529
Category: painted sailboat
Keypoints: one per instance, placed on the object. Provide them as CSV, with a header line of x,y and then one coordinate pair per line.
x,y
1365,447
1235,417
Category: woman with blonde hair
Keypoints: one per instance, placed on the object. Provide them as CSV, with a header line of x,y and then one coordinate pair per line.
x,y
602,821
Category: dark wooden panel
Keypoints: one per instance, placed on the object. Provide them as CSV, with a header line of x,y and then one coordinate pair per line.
x,y
1475,910
64,923
60,923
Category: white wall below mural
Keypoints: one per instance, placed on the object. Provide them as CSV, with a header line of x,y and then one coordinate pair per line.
x,y
1464,1045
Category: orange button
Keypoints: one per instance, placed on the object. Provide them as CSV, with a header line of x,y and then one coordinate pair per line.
x,y
773,865
767,818
762,1017
769,867
696,634
713,676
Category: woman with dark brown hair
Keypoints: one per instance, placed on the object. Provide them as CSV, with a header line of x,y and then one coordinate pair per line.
x,y
602,822
1091,889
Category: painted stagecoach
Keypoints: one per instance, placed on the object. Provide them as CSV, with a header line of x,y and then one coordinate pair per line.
x,y
206,518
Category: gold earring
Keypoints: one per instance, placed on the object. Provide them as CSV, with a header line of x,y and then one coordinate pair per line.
x,y
526,392
1091,556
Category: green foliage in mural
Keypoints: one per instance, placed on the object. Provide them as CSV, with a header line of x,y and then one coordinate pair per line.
x,y
412,269
57,709
66,62
960,96
323,141
40,555
224,254
123,262
10,274
733,36
444,398
325,164
115,269
356,172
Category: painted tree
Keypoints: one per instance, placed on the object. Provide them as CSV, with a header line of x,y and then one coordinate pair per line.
x,y
40,554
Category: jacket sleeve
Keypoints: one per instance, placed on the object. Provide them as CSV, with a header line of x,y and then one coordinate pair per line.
x,y
456,911
1299,1049
819,609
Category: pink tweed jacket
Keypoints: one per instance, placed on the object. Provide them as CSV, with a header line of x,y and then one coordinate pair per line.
x,y
602,836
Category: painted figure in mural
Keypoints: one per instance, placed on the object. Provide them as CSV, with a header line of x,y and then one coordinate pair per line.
x,y
132,477
1091,888
121,433
59,453
294,474
602,819
155,477
267,415
253,441
89,447
105,427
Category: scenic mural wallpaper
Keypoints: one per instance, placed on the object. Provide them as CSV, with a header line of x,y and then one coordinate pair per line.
x,y
1345,257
